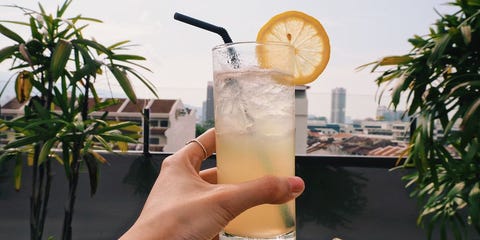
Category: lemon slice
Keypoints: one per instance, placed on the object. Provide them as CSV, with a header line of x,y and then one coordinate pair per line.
x,y
307,35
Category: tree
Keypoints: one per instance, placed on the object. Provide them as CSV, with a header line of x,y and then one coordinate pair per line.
x,y
60,67
439,79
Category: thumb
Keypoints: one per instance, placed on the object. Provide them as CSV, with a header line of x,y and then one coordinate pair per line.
x,y
268,189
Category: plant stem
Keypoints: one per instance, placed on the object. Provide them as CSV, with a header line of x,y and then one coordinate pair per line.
x,y
73,181
34,198
46,198
72,187
288,219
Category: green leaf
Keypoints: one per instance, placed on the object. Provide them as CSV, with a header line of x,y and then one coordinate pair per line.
x,y
474,199
10,34
99,47
418,41
439,49
61,101
79,17
106,103
18,171
21,142
46,148
116,45
124,57
103,142
88,69
42,10
145,82
118,138
455,91
124,82
473,150
471,111
395,60
60,58
34,29
40,109
118,126
8,52
92,166
456,190
62,9
397,90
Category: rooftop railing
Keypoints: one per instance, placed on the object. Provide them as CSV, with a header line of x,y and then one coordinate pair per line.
x,y
347,197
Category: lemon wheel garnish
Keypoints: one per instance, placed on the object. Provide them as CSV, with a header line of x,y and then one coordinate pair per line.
x,y
307,35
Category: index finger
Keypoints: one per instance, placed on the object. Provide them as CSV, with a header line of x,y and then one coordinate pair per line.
x,y
202,148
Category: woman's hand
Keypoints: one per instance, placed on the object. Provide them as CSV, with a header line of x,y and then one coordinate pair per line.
x,y
186,203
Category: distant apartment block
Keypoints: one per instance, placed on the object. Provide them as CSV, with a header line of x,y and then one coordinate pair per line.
x,y
208,108
396,131
339,96
171,123
385,114
360,138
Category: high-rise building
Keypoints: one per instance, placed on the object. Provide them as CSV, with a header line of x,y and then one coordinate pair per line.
x,y
338,105
385,114
208,107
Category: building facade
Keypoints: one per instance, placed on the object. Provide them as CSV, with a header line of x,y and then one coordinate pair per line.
x,y
171,123
208,107
301,118
338,105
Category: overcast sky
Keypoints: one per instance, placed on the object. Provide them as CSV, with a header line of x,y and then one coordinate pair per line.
x,y
180,55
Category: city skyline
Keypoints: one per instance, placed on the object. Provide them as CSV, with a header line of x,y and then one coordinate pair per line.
x,y
338,103
180,55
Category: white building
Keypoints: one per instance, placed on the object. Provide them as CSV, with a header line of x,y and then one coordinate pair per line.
x,y
171,123
395,131
301,117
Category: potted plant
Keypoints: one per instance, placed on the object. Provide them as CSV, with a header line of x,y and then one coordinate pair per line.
x,y
439,81
55,70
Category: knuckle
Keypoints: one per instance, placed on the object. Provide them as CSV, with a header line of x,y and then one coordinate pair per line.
x,y
223,197
168,163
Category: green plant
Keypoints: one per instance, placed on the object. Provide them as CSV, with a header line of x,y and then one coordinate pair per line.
x,y
59,67
439,80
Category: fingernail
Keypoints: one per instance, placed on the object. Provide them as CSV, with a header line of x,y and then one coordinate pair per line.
x,y
296,185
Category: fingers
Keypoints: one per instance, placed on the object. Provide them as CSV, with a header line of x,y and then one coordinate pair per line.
x,y
203,146
209,175
268,189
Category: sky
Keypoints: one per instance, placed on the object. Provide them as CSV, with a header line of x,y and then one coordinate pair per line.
x,y
179,55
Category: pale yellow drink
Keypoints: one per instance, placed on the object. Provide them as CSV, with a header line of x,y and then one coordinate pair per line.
x,y
247,157
254,122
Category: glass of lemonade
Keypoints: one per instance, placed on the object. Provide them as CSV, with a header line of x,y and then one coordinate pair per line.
x,y
254,102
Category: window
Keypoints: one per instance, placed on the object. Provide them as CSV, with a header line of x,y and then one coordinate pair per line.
x,y
164,123
154,141
137,121
154,123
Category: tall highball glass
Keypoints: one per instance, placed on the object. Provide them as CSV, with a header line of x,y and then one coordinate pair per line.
x,y
254,101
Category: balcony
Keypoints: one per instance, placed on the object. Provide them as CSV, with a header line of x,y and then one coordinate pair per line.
x,y
346,197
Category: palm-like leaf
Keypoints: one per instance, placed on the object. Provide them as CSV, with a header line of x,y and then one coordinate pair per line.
x,y
441,80
61,66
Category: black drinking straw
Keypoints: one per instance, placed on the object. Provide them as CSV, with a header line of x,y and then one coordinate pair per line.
x,y
204,25
212,28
